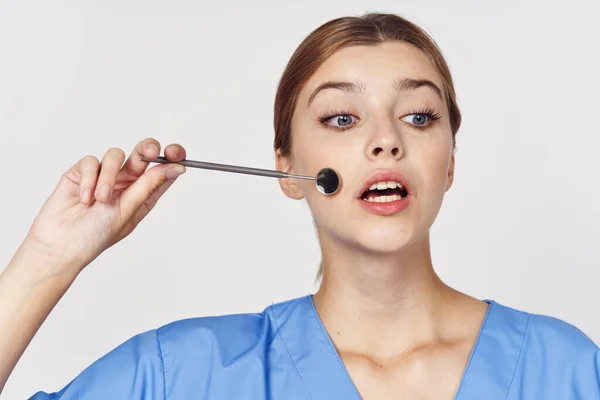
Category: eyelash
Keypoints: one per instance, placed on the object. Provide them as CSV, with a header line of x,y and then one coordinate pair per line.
x,y
335,113
429,112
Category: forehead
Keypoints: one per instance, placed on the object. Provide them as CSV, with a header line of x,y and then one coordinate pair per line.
x,y
376,66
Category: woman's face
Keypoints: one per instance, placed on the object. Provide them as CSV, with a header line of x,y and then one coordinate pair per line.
x,y
374,114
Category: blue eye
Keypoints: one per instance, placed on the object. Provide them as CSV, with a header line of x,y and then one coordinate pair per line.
x,y
423,118
342,120
418,119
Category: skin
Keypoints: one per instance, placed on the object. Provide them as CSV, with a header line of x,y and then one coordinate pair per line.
x,y
401,332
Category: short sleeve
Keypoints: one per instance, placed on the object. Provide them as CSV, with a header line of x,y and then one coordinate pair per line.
x,y
133,370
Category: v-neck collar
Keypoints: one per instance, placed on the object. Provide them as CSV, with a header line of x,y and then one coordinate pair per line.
x,y
495,356
316,360
488,373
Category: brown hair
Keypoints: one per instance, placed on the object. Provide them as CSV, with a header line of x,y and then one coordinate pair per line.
x,y
369,30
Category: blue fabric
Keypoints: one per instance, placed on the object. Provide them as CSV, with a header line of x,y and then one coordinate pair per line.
x,y
285,353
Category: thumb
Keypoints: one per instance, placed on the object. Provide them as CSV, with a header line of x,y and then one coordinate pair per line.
x,y
147,187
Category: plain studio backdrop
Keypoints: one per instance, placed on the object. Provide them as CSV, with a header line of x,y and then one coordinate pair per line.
x,y
521,224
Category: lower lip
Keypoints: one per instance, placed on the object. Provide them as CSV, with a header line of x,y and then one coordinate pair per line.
x,y
387,208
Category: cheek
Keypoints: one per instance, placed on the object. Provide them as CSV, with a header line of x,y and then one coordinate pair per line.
x,y
434,175
314,151
438,168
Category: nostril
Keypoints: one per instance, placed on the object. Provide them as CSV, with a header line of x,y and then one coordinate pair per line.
x,y
377,151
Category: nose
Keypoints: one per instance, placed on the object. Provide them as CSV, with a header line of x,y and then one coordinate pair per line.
x,y
385,143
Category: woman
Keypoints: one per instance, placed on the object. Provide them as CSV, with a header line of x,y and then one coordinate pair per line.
x,y
371,97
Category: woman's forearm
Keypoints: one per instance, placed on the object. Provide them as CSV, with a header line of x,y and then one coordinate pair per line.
x,y
30,287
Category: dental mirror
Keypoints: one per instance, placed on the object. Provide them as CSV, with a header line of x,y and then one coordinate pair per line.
x,y
327,180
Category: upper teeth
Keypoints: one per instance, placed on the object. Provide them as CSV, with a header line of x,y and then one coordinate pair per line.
x,y
385,185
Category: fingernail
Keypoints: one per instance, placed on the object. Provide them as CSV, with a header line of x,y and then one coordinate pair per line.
x,y
175,172
86,196
104,192
153,148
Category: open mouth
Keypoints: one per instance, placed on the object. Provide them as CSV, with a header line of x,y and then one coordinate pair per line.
x,y
384,192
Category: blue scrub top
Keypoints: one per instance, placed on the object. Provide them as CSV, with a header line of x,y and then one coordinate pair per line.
x,y
285,353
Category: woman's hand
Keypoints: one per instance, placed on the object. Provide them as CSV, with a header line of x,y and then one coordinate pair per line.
x,y
97,203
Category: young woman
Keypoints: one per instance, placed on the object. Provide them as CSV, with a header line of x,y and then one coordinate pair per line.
x,y
371,97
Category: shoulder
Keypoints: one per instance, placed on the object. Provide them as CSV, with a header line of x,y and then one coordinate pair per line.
x,y
229,329
195,334
206,354
551,351
556,332
550,332
177,359
228,335
547,331
127,368
561,347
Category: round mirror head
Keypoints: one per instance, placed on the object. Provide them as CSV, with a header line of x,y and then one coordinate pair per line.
x,y
328,181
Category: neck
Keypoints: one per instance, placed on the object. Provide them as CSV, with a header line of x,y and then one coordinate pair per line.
x,y
366,299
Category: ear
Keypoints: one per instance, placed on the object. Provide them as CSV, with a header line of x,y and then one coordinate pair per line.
x,y
450,177
289,186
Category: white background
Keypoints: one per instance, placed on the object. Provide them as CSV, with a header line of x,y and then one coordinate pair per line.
x,y
521,224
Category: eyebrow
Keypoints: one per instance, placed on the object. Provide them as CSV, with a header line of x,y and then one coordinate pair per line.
x,y
358,87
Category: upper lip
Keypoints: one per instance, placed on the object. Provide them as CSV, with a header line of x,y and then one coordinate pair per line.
x,y
384,175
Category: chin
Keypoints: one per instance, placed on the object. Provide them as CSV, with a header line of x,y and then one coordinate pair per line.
x,y
384,235
386,243
381,239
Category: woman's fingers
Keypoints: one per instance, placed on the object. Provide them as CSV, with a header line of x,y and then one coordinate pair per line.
x,y
87,168
134,166
150,148
109,169
175,152
97,179
152,201
146,186
143,194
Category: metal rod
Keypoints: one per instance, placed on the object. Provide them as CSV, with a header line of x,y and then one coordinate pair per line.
x,y
228,168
